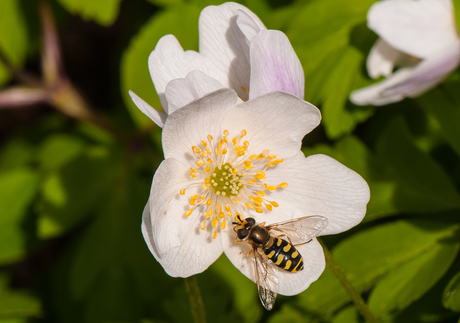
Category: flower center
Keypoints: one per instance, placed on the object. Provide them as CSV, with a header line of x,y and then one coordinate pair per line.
x,y
231,180
225,180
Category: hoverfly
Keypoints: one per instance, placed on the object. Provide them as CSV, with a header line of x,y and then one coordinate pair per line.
x,y
273,247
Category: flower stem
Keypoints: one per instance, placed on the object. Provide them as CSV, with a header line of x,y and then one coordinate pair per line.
x,y
196,301
355,296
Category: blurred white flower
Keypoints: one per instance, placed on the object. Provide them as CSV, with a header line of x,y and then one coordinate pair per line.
x,y
224,156
419,37
236,51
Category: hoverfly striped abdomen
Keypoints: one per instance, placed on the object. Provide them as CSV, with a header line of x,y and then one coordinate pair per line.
x,y
284,255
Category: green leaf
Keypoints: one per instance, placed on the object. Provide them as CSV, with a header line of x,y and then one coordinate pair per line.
x,y
368,255
451,295
420,181
410,281
103,12
71,192
16,306
182,22
17,153
58,150
14,40
347,315
456,4
446,113
17,190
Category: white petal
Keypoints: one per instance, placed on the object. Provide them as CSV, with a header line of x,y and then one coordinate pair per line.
x,y
411,82
276,121
417,28
382,59
188,126
222,41
289,283
274,65
169,61
196,84
320,185
177,242
247,25
373,94
429,72
156,116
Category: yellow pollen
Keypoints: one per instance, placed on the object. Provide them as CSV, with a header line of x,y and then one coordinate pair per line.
x,y
221,215
203,225
271,188
214,234
208,202
283,185
182,191
214,222
274,203
260,193
243,133
223,224
188,212
259,210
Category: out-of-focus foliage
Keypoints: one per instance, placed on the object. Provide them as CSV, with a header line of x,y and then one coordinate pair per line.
x,y
72,193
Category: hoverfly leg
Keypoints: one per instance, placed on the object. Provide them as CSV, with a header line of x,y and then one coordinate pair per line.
x,y
300,244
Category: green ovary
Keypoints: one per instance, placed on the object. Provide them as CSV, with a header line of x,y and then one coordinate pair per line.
x,y
224,181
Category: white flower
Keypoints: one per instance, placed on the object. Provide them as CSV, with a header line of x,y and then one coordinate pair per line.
x,y
236,51
420,37
224,156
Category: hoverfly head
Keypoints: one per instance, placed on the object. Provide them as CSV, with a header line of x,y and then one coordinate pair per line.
x,y
242,227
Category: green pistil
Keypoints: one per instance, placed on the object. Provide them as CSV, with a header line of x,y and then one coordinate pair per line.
x,y
224,182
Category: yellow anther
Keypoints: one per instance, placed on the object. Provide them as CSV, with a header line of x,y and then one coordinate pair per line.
x,y
209,160
240,153
210,137
259,210
224,151
260,175
243,133
188,212
203,225
246,144
225,132
234,141
269,207
192,201
204,143
207,169
252,157
182,191
257,199
271,188
214,222
249,205
260,193
283,185
274,203
227,208
208,202
221,215
223,224
214,234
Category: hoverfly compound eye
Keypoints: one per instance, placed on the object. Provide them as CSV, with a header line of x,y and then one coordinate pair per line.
x,y
251,221
242,233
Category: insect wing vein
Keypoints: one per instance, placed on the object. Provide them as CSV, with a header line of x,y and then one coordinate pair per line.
x,y
266,279
301,230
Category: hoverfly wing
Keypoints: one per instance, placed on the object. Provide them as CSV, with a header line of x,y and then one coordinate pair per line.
x,y
301,230
266,279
